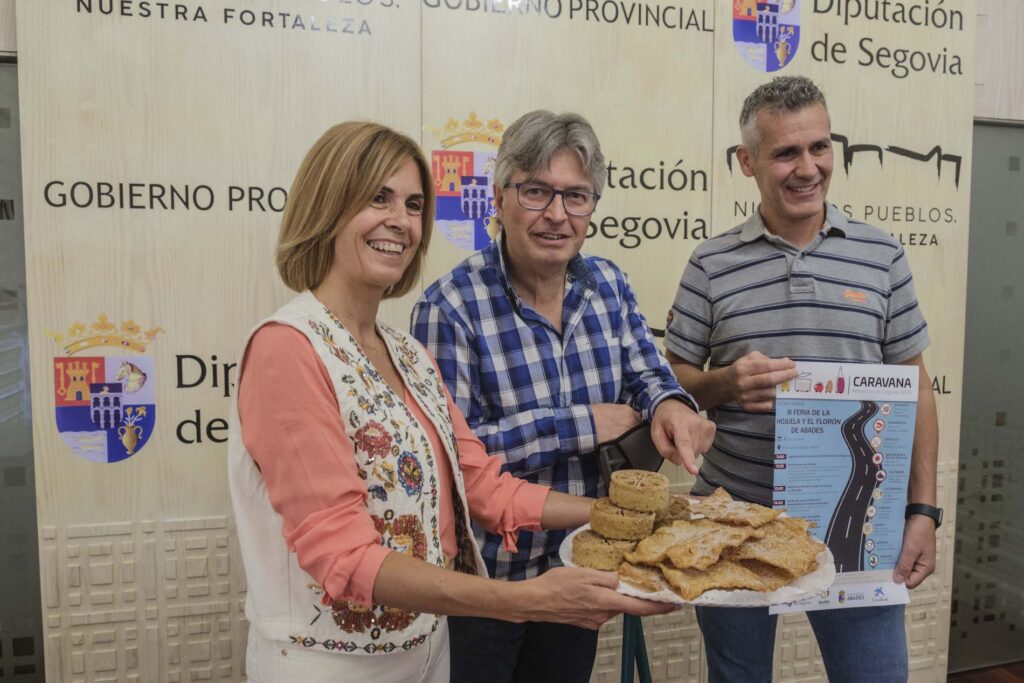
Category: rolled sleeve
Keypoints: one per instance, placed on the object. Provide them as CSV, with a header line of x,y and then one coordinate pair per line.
x,y
501,503
292,428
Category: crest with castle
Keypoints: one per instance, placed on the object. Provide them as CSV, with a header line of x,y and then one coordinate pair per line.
x,y
463,170
104,393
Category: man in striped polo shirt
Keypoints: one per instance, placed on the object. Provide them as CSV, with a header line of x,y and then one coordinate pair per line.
x,y
798,281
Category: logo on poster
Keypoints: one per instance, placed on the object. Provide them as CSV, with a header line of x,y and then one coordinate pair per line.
x,y
766,32
464,178
104,389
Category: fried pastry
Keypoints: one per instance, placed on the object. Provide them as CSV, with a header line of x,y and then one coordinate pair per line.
x,y
720,507
615,522
596,552
773,578
642,577
785,545
639,490
718,543
724,574
678,508
693,544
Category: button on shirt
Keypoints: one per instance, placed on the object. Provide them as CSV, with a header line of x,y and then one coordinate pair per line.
x,y
526,389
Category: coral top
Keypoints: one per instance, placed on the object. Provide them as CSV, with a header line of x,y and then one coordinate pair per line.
x,y
292,428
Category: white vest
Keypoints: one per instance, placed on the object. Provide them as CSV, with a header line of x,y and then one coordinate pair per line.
x,y
401,475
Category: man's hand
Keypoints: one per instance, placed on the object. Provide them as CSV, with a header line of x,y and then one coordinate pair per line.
x,y
917,559
753,378
680,434
612,420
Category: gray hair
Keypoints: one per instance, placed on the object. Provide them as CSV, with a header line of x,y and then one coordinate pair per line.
x,y
781,94
531,141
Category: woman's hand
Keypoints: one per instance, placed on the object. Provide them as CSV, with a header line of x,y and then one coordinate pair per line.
x,y
582,597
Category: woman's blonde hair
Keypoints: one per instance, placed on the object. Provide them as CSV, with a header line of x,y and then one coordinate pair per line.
x,y
341,173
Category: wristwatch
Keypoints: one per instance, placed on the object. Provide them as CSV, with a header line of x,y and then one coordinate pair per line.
x,y
926,510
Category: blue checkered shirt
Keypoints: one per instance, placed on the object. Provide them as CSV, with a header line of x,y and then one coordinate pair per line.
x,y
526,390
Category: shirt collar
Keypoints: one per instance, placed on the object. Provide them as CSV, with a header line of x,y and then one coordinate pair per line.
x,y
835,225
577,272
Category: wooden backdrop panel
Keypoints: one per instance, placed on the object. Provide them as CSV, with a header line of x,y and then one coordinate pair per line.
x,y
999,84
141,574
616,77
140,570
923,202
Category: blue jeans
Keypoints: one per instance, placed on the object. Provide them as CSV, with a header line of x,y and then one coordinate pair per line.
x,y
861,645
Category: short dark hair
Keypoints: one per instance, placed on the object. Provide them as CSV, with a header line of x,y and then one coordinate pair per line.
x,y
781,94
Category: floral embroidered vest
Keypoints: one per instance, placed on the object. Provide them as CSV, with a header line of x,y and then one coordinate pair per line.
x,y
396,461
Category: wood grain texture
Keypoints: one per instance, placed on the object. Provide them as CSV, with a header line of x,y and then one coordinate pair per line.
x,y
1009,673
8,32
142,578
999,80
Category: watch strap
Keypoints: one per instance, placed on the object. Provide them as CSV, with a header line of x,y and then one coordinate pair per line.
x,y
926,510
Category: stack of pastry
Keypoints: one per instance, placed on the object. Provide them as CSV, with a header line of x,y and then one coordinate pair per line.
x,y
721,543
618,522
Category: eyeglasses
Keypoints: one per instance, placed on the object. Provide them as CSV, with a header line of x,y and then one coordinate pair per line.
x,y
537,197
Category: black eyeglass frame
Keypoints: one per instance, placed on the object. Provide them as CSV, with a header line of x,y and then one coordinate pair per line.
x,y
554,193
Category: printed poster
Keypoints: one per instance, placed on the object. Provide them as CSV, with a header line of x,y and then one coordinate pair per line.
x,y
844,434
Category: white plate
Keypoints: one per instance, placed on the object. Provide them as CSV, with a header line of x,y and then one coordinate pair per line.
x,y
809,584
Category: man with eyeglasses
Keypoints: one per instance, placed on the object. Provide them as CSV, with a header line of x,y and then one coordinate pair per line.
x,y
545,351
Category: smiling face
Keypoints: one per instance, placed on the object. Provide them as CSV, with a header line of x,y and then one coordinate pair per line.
x,y
543,242
372,251
792,168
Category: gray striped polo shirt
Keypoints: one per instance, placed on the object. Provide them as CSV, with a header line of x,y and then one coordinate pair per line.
x,y
847,297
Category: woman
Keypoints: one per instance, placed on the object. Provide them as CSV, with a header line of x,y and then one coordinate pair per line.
x,y
353,475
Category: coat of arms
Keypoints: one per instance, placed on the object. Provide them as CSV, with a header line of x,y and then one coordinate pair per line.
x,y
105,389
766,32
464,180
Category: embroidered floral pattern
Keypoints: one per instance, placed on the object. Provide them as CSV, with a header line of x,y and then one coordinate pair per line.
x,y
410,474
352,618
385,472
374,439
407,536
372,648
397,463
324,333
396,619
403,534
